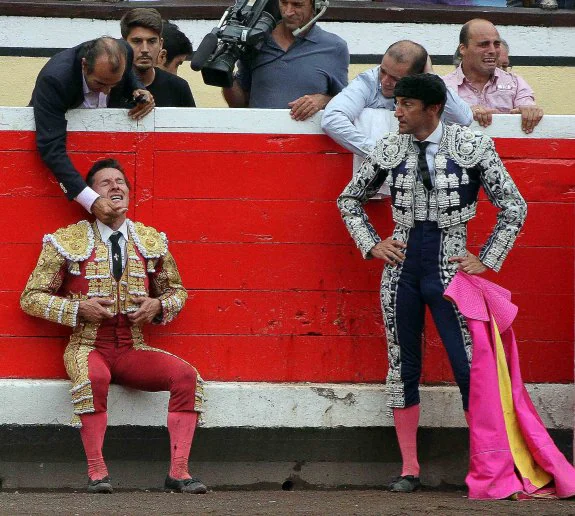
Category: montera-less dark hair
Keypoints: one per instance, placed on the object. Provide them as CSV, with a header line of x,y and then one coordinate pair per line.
x,y
141,17
105,163
427,87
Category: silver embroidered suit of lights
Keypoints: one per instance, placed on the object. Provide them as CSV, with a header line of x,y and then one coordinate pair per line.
x,y
464,161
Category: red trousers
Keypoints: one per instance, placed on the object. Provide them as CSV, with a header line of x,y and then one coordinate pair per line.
x,y
116,361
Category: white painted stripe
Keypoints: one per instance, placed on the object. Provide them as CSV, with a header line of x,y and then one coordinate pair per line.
x,y
362,38
266,405
254,121
248,121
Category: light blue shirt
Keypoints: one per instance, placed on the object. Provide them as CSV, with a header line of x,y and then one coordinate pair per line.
x,y
365,92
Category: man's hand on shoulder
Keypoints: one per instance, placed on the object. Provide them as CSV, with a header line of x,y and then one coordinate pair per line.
x,y
308,105
94,309
106,211
150,307
483,115
530,117
144,107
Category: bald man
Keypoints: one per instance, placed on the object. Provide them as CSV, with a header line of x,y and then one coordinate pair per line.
x,y
94,74
374,89
486,88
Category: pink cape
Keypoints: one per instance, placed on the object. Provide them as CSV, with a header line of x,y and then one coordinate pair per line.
x,y
493,470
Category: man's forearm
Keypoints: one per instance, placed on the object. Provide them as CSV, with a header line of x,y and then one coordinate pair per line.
x,y
456,110
235,96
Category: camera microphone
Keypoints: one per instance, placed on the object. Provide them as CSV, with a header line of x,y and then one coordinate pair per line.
x,y
204,51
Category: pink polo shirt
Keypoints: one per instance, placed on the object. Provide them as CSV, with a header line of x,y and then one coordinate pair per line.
x,y
503,91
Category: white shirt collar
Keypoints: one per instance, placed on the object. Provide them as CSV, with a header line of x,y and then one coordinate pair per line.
x,y
435,136
106,231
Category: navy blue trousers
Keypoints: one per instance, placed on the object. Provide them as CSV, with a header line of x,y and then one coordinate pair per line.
x,y
415,284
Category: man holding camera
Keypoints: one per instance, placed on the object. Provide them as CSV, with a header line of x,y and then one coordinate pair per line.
x,y
95,74
301,72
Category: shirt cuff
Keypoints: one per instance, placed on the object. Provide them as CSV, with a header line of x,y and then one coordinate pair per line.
x,y
86,198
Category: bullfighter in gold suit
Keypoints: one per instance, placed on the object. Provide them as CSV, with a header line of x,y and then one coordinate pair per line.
x,y
106,282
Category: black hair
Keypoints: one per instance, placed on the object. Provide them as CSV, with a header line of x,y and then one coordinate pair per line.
x,y
427,87
105,163
176,43
141,17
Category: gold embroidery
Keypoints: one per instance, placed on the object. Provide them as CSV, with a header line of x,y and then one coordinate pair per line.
x,y
38,299
74,242
63,253
167,287
151,242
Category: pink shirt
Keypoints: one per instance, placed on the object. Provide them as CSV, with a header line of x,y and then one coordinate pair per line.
x,y
503,91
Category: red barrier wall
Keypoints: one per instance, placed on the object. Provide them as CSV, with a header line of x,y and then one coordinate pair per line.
x,y
279,293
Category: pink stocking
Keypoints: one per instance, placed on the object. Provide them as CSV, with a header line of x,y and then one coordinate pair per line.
x,y
92,433
181,426
406,423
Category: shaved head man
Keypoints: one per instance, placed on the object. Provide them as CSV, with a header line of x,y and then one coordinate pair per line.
x,y
374,89
486,88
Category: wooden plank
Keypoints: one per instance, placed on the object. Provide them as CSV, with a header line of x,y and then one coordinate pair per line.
x,y
257,221
24,357
250,175
548,225
242,142
282,359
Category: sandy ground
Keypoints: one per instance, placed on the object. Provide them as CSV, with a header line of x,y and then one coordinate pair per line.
x,y
438,503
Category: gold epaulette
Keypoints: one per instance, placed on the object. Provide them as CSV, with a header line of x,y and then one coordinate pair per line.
x,y
74,242
149,241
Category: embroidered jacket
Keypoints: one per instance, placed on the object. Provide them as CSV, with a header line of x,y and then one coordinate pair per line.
x,y
75,265
464,161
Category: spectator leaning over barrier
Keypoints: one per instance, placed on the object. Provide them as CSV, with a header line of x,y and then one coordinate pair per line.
x,y
374,89
434,172
175,49
142,29
300,72
95,74
107,282
486,88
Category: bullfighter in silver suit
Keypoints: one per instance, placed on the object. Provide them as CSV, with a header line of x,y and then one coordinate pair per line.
x,y
434,172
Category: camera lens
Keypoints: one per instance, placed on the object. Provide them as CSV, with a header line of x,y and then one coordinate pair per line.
x,y
219,71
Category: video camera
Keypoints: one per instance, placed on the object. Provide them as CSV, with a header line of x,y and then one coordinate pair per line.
x,y
241,29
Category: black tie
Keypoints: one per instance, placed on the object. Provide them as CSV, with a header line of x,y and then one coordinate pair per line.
x,y
422,165
116,256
